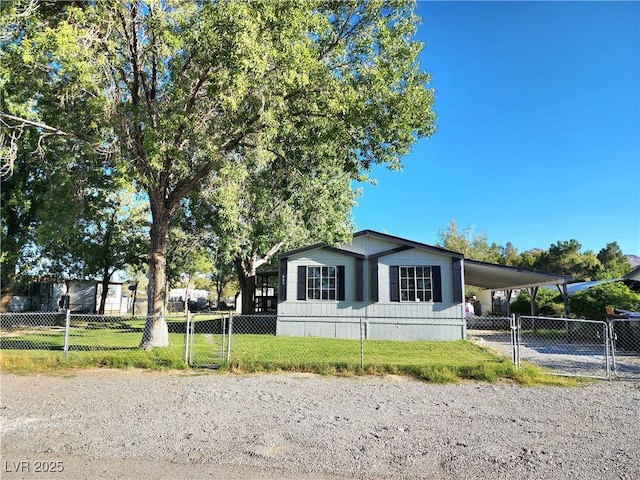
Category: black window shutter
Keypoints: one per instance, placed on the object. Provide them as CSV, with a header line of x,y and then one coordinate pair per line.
x,y
373,279
359,280
282,283
457,280
340,280
436,283
302,282
394,282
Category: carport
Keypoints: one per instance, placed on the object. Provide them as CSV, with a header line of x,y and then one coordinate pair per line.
x,y
491,276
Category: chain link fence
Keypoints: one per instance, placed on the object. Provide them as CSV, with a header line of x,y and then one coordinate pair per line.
x,y
575,347
625,345
208,339
256,345
572,347
487,323
32,331
568,346
329,343
72,333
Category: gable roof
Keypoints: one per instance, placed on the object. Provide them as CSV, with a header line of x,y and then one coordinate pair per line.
x,y
404,244
407,243
479,274
318,246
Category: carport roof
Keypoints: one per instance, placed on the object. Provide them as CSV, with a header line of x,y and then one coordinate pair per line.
x,y
499,277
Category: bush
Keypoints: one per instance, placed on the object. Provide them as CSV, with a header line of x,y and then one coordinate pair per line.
x,y
591,303
548,303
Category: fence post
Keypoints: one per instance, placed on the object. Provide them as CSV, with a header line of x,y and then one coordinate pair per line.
x,y
515,344
187,337
67,327
229,335
608,350
192,336
223,333
361,343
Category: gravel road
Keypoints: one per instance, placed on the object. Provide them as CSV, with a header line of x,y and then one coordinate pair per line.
x,y
134,424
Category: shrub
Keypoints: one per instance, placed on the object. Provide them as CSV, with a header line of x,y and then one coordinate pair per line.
x,y
548,303
591,303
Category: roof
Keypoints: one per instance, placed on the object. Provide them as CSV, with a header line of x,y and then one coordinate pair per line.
x,y
633,275
579,286
479,274
500,277
317,246
409,243
402,241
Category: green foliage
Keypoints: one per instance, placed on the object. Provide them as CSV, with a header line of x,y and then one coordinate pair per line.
x,y
613,262
564,257
473,246
181,94
591,303
548,303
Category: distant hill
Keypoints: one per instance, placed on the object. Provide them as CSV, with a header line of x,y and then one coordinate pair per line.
x,y
634,260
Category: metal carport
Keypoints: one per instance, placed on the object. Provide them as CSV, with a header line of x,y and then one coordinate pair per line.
x,y
491,276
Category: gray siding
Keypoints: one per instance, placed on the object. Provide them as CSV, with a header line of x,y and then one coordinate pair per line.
x,y
382,319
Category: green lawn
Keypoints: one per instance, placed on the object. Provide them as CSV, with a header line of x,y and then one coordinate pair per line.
x,y
429,360
116,346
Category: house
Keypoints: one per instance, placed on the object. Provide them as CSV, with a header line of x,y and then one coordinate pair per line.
x,y
79,296
391,287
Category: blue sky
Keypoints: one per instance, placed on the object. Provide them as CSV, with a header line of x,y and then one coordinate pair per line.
x,y
538,134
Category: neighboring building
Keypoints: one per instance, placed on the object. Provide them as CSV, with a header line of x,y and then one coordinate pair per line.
x,y
79,296
384,280
198,299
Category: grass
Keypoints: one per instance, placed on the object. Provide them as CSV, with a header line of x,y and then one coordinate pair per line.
x,y
94,346
431,361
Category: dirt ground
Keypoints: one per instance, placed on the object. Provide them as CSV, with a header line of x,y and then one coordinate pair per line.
x,y
135,424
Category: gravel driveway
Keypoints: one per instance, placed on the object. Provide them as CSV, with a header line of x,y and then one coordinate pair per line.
x,y
133,424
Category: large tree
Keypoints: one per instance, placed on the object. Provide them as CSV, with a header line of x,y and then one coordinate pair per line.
x,y
565,257
187,88
473,245
264,210
613,262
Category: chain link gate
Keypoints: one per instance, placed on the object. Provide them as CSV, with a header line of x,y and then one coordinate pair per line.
x,y
566,346
625,347
208,339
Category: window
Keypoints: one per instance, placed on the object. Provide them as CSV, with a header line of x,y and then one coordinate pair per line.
x,y
415,284
321,283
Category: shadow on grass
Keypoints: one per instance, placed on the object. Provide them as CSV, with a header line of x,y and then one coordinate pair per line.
x,y
99,348
28,345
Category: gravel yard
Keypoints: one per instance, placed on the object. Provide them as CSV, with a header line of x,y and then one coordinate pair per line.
x,y
135,424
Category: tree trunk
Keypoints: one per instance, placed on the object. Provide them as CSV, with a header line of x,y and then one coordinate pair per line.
x,y
7,293
106,277
156,332
247,280
186,296
9,251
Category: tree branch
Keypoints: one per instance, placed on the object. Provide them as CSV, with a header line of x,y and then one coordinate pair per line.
x,y
44,126
267,256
